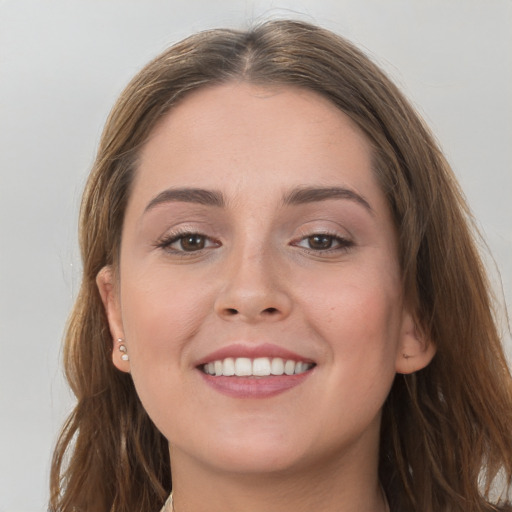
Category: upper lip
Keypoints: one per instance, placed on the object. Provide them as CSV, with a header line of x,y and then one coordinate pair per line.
x,y
252,352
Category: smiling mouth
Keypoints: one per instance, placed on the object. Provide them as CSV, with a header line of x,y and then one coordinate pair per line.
x,y
258,367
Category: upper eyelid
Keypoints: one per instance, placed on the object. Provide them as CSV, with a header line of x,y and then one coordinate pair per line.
x,y
174,237
336,231
187,228
181,232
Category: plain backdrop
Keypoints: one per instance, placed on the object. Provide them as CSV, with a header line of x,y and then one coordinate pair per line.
x,y
63,63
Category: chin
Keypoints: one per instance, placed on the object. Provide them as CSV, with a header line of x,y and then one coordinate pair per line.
x,y
252,451
255,459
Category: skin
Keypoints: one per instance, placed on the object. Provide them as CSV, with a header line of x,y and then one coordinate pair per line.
x,y
260,278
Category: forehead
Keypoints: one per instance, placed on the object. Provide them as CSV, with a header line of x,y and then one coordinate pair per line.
x,y
239,134
262,113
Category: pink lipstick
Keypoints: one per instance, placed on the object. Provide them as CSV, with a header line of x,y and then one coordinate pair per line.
x,y
258,371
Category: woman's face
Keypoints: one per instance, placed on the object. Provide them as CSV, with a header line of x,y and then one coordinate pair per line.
x,y
257,242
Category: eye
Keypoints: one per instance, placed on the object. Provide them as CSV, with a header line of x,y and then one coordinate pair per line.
x,y
186,242
323,242
191,242
320,242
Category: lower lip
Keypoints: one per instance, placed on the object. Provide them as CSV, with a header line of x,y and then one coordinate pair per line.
x,y
254,387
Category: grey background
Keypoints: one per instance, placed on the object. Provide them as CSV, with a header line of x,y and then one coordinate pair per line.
x,y
63,63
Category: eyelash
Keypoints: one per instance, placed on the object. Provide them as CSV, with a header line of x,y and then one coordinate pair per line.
x,y
165,243
342,244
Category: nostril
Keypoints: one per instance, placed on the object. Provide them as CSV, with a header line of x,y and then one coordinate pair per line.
x,y
270,311
231,311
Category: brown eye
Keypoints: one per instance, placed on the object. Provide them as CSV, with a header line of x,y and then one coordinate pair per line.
x,y
181,243
192,242
320,242
324,243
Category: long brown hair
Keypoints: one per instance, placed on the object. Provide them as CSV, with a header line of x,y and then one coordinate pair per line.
x,y
446,430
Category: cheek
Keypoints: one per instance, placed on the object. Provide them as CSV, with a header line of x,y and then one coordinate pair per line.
x,y
359,312
161,313
362,327
160,317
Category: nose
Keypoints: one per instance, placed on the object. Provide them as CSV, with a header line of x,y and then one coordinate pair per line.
x,y
252,290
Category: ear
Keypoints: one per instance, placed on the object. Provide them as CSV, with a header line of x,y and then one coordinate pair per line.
x,y
105,280
415,350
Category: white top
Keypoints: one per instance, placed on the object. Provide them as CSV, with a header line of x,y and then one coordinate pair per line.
x,y
168,507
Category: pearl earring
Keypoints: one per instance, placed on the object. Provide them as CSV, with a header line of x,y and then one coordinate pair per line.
x,y
123,349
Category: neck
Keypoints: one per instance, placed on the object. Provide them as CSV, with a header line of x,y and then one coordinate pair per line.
x,y
328,486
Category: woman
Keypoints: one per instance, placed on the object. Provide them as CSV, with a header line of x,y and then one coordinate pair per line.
x,y
282,303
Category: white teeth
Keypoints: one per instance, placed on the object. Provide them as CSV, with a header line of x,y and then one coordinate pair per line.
x,y
259,367
289,367
228,367
243,367
277,366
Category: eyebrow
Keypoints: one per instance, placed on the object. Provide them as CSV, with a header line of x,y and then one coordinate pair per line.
x,y
188,195
300,195
304,195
